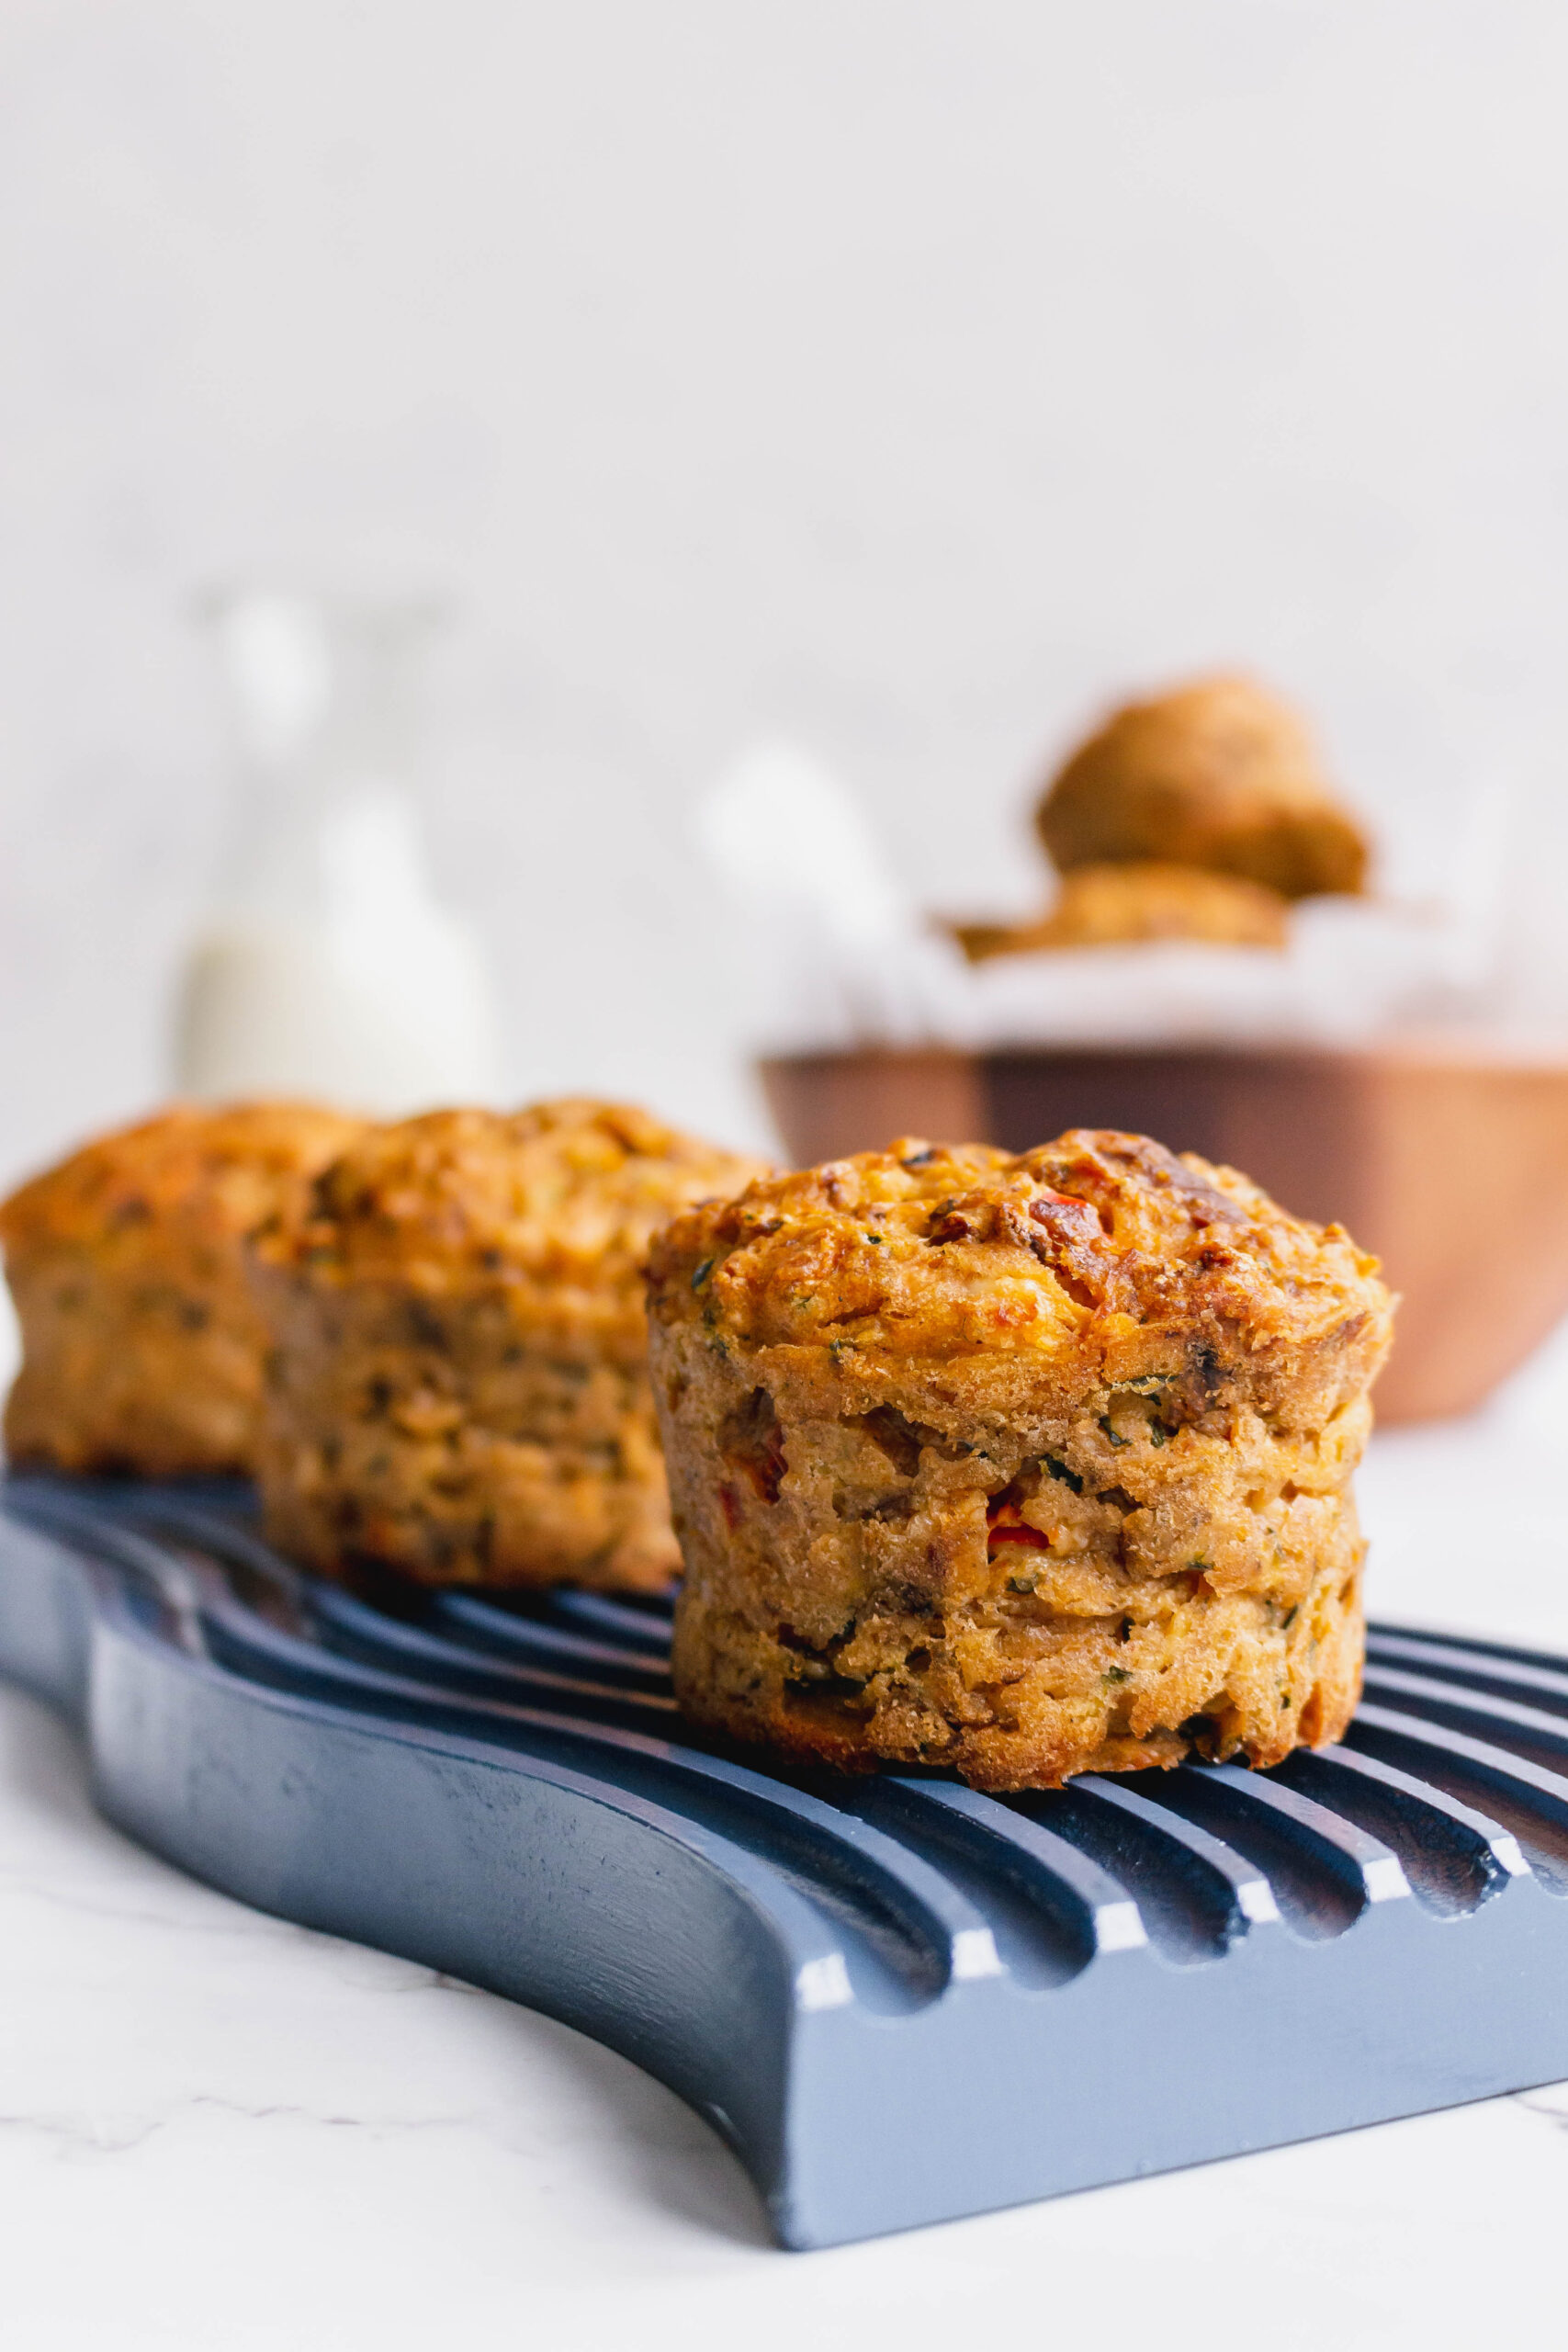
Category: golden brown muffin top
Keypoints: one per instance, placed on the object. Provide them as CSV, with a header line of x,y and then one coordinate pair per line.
x,y
561,1198
1219,773
1100,1247
220,1171
1109,906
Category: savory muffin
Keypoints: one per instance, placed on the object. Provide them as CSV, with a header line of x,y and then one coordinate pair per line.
x,y
458,1386
1219,773
1113,906
141,1349
1025,1465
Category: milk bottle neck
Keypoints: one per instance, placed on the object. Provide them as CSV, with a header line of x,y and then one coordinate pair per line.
x,y
327,967
325,705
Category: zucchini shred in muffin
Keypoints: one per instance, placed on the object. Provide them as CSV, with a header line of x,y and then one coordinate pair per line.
x,y
141,1350
1027,1465
458,1386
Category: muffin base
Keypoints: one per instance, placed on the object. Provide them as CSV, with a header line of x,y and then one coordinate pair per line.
x,y
1260,1690
150,1377
1113,1589
440,1438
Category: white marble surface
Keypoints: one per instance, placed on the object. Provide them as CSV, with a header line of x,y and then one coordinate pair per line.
x,y
218,2131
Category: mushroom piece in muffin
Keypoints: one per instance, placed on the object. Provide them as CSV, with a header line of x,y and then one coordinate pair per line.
x,y
459,1384
1027,1465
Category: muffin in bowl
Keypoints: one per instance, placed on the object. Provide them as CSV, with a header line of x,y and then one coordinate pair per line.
x,y
1122,906
458,1382
1221,775
1025,1465
141,1347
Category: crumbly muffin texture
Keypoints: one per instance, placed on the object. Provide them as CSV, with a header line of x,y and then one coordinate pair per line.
x,y
1219,773
142,1348
1111,906
458,1386
1025,1465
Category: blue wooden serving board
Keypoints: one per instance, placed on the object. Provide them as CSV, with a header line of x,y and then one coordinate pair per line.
x,y
898,2000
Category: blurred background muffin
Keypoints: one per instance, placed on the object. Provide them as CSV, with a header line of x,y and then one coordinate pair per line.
x,y
1220,773
142,1348
458,1386
1198,815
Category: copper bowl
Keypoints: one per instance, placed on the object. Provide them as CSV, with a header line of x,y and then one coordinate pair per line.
x,y
1451,1164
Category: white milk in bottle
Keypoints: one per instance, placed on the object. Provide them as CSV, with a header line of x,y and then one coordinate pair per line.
x,y
328,967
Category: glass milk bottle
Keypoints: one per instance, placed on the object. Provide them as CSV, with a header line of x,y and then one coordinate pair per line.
x,y
327,967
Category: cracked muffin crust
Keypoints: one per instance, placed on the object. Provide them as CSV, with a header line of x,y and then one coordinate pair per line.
x,y
458,1386
142,1348
1025,1465
1219,773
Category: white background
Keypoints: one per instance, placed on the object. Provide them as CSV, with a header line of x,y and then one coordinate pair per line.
x,y
904,378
